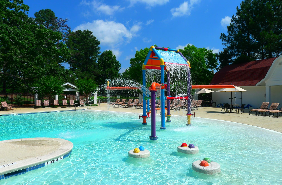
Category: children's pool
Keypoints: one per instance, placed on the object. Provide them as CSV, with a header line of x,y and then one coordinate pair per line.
x,y
246,154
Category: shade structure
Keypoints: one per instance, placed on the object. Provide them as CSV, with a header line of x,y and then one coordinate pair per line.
x,y
204,91
235,89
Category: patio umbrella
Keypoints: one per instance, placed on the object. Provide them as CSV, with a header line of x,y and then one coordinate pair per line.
x,y
204,91
235,89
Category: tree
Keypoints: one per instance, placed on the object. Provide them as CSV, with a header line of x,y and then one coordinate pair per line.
x,y
255,31
136,63
203,63
47,18
13,14
108,67
224,58
28,51
48,86
84,50
86,87
125,74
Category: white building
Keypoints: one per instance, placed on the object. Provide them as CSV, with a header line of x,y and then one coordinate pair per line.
x,y
262,79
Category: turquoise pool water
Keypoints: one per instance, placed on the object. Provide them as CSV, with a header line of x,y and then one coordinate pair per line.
x,y
247,155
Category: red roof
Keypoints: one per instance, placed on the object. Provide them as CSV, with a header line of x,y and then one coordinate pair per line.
x,y
247,74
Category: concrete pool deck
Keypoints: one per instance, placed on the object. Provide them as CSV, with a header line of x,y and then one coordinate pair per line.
x,y
19,156
28,152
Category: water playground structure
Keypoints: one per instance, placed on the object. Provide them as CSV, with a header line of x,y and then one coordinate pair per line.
x,y
206,166
173,63
188,149
140,152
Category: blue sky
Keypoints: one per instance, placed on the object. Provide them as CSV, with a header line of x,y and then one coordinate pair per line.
x,y
125,26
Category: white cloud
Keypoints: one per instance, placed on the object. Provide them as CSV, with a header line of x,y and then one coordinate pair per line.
x,y
84,2
214,50
135,48
116,52
122,69
184,8
149,21
182,47
86,14
192,2
225,21
147,40
150,3
100,7
109,32
129,57
108,10
135,28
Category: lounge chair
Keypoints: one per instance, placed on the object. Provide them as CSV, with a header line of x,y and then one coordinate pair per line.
x,y
135,102
272,107
37,104
56,103
116,103
264,105
128,104
173,104
46,103
199,103
72,103
65,103
193,105
275,111
81,102
179,105
5,106
121,103
139,104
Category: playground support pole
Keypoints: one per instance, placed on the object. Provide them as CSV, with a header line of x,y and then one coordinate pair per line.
x,y
162,99
153,116
189,87
168,101
144,116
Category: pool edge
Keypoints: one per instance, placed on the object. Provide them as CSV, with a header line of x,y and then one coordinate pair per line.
x,y
26,165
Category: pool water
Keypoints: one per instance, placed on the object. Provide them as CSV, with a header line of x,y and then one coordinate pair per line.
x,y
246,154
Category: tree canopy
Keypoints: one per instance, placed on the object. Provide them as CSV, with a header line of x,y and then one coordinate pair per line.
x,y
84,50
254,32
134,72
28,51
48,19
203,63
108,67
86,87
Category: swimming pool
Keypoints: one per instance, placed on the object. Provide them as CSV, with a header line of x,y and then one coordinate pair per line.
x,y
247,155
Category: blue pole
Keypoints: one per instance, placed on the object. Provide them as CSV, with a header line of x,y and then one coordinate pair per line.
x,y
162,99
144,116
168,101
189,87
153,116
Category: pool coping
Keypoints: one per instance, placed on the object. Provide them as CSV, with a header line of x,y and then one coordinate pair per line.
x,y
37,112
32,163
243,124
